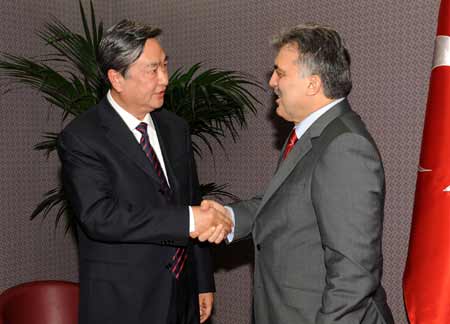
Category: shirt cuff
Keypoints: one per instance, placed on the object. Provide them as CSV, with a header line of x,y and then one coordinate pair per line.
x,y
230,236
191,220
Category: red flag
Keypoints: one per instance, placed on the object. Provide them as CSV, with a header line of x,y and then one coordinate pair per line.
x,y
426,281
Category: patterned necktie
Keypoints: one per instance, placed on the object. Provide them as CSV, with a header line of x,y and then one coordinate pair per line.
x,y
291,142
178,260
151,155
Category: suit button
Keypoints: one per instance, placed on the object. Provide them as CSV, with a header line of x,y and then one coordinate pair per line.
x,y
258,247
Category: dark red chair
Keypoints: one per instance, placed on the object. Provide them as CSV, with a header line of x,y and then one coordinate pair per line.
x,y
40,302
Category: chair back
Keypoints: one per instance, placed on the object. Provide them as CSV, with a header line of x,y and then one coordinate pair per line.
x,y
40,302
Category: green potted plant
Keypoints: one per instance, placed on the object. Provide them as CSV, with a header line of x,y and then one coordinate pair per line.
x,y
213,101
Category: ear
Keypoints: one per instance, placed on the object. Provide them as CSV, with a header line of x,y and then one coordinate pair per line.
x,y
314,85
116,79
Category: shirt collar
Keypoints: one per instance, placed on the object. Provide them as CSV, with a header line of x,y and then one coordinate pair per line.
x,y
131,121
303,126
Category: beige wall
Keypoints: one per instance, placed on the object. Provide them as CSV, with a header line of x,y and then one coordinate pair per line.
x,y
391,43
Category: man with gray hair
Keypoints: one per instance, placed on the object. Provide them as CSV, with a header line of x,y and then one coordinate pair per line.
x,y
129,174
317,229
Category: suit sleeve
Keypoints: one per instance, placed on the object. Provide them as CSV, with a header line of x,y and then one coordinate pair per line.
x,y
348,197
245,213
103,215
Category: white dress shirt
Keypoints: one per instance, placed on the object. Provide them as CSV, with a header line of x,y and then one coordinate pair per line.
x,y
132,122
306,123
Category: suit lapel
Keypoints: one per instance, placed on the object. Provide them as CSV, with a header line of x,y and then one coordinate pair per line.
x,y
303,146
286,167
164,142
120,136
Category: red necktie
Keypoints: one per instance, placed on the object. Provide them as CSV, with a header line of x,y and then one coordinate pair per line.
x,y
290,144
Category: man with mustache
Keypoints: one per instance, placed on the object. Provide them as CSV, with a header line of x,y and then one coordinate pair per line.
x,y
317,229
129,174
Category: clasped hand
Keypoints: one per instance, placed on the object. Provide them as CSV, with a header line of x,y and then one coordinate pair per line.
x,y
212,222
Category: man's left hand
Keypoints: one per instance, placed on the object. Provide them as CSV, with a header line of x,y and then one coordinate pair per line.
x,y
205,301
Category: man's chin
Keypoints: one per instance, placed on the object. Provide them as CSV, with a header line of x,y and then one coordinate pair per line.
x,y
157,104
280,112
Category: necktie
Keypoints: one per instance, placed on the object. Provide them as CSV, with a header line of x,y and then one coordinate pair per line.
x,y
151,155
178,260
290,144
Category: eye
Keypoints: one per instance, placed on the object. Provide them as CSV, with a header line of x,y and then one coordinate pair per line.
x,y
151,70
279,73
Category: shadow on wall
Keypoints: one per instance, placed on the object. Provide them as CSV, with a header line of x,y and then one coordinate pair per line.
x,y
281,127
228,257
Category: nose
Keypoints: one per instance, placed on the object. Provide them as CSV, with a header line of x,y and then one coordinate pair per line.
x,y
163,76
273,82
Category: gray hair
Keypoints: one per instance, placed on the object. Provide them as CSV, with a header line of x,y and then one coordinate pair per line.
x,y
321,52
122,45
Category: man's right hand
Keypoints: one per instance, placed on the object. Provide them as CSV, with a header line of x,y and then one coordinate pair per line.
x,y
210,224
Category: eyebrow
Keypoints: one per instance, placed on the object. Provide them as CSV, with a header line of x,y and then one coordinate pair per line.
x,y
155,64
276,67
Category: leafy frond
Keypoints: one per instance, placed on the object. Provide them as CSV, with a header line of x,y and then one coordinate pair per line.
x,y
78,52
213,102
49,144
51,199
217,191
64,92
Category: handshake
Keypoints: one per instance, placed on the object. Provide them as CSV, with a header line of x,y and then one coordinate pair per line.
x,y
212,222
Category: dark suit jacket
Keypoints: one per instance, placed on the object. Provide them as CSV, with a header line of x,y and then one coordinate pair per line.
x,y
128,228
318,229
